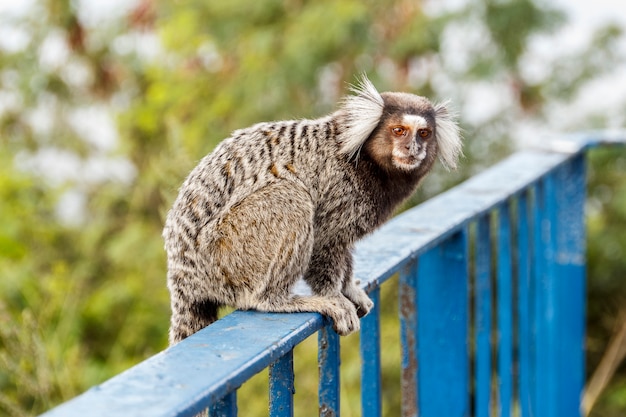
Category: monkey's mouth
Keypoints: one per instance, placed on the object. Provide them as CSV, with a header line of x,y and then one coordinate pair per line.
x,y
408,162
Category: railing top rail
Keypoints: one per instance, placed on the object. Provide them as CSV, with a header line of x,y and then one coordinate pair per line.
x,y
188,377
198,370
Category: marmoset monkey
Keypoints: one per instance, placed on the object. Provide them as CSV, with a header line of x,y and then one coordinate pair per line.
x,y
283,200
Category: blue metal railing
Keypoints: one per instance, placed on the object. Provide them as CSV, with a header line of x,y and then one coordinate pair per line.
x,y
505,247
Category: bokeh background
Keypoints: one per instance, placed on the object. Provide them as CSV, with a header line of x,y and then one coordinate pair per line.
x,y
105,106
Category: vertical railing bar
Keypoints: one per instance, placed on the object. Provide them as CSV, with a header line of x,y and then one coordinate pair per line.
x,y
281,387
505,311
536,305
443,328
329,372
226,407
371,401
547,333
523,304
544,299
407,305
482,317
569,276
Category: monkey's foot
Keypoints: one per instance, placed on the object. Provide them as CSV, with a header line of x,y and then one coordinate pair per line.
x,y
344,316
359,298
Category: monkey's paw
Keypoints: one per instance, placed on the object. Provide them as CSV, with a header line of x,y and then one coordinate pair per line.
x,y
360,299
344,317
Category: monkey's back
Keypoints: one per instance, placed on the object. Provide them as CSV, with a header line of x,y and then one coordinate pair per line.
x,y
300,152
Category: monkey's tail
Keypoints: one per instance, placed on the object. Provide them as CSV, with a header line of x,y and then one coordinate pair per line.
x,y
189,318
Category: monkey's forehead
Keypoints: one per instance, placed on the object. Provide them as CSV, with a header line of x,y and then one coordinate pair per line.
x,y
415,121
405,103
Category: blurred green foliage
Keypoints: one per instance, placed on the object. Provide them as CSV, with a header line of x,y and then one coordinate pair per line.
x,y
83,294
607,267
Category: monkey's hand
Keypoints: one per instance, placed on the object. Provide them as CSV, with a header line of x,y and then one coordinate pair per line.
x,y
359,298
343,314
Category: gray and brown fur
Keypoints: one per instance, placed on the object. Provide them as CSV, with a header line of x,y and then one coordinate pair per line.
x,y
283,200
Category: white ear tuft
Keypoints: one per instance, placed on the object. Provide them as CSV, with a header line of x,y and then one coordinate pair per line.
x,y
448,136
363,111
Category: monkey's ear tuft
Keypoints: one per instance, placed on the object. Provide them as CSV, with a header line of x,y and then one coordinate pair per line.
x,y
363,111
448,136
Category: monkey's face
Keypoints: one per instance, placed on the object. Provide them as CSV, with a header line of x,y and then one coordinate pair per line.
x,y
405,138
410,137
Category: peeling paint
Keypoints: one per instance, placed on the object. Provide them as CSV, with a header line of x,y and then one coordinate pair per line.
x,y
408,317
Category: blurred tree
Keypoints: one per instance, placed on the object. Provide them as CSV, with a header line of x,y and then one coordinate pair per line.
x,y
101,119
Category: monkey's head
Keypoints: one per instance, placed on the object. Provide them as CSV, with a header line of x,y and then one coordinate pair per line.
x,y
398,131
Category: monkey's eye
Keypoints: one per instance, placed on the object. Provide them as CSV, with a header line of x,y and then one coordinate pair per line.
x,y
399,131
424,133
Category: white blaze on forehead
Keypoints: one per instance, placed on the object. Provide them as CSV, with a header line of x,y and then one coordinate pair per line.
x,y
415,121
